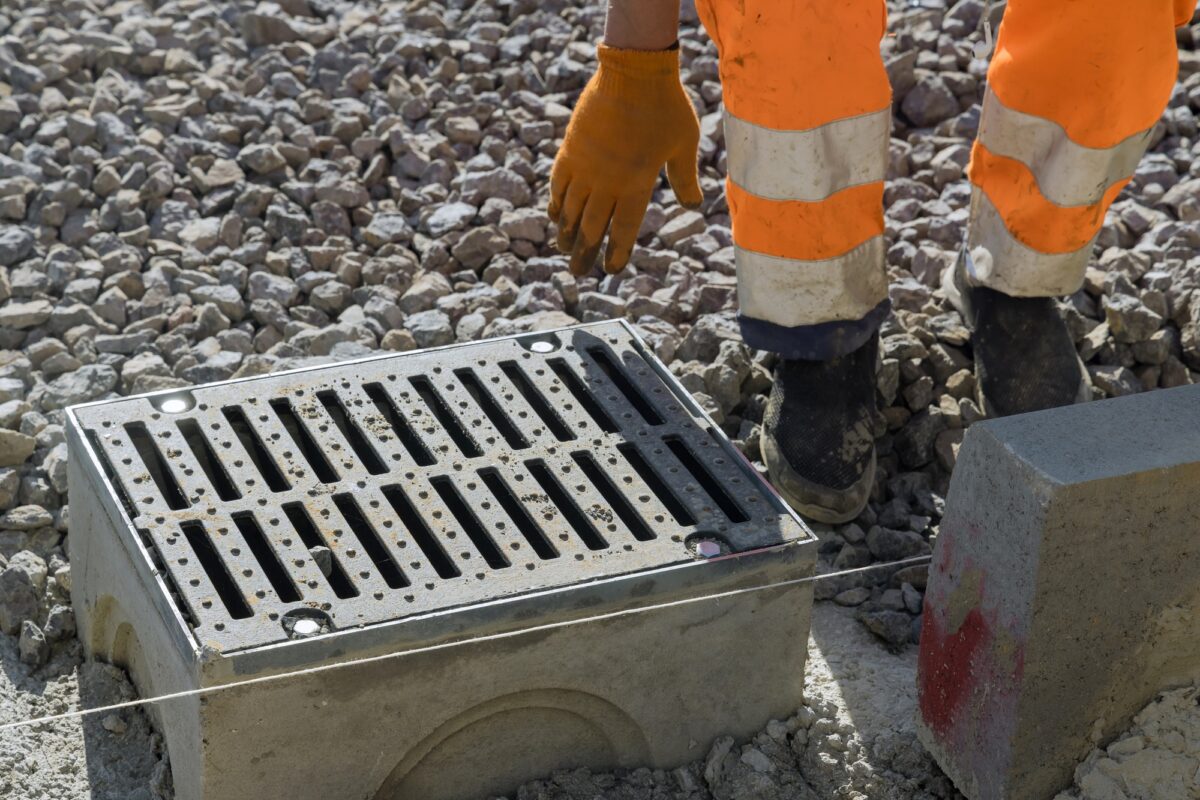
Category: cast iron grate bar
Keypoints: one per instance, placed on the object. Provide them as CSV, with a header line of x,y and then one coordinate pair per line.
x,y
469,523
267,558
309,448
354,436
518,513
208,460
338,580
370,541
216,570
537,401
404,432
616,374
678,509
168,576
419,530
257,451
703,477
609,491
566,505
492,409
449,421
156,465
583,395
111,474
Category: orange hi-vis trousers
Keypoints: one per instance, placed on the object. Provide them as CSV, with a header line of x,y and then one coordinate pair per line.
x,y
1074,90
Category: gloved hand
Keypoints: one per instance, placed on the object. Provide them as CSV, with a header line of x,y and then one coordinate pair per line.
x,y
632,117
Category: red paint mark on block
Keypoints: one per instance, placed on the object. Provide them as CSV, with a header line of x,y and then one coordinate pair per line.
x,y
948,664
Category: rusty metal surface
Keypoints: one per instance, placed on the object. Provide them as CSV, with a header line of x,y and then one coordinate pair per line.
x,y
478,472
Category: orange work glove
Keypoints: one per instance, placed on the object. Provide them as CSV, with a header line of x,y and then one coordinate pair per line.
x,y
632,118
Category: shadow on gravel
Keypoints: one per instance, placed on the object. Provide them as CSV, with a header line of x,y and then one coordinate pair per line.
x,y
123,754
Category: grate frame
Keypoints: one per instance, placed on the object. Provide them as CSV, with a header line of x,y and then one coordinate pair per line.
x,y
635,405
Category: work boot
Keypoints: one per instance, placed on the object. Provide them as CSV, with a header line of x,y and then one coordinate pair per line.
x,y
818,437
1025,359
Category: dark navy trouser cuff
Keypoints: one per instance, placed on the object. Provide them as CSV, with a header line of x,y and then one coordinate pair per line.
x,y
819,342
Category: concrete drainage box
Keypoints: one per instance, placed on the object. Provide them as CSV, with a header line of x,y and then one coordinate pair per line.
x,y
258,527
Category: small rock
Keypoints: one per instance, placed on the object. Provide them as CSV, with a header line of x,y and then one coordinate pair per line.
x,y
15,447
893,627
323,557
33,648
853,597
114,724
262,158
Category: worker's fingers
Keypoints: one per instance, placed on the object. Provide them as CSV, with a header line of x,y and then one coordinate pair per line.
x,y
591,233
627,220
684,176
560,179
571,216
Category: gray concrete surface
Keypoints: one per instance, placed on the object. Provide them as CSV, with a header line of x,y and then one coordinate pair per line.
x,y
652,688
1065,589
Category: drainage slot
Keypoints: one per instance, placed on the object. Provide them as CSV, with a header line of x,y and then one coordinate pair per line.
x,y
312,538
266,557
168,577
216,570
370,541
703,477
582,394
493,411
254,447
445,416
354,435
616,374
156,465
404,432
537,401
303,439
130,509
469,523
682,395
420,532
633,520
518,514
651,478
566,505
208,460
752,479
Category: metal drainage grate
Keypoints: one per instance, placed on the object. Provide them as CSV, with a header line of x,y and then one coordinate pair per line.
x,y
358,493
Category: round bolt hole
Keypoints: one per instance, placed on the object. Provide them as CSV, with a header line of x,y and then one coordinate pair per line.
x,y
305,623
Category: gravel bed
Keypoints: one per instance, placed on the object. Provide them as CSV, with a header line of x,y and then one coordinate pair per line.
x,y
196,190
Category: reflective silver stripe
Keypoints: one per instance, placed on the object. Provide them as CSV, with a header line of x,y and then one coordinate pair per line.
x,y
808,165
1067,174
1006,265
789,291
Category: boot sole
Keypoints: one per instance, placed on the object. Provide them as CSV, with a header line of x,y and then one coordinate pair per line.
x,y
950,288
813,501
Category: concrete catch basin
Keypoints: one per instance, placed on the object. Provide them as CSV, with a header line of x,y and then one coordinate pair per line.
x,y
277,526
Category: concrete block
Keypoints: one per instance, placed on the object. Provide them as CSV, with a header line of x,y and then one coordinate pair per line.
x,y
1065,588
287,522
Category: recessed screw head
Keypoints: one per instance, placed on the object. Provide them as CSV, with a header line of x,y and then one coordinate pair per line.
x,y
708,549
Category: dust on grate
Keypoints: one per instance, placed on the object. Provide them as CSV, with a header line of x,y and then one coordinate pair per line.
x,y
378,489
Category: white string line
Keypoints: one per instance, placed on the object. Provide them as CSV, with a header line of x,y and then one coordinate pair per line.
x,y
79,713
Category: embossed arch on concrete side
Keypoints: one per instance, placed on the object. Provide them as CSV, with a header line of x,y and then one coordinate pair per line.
x,y
533,730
